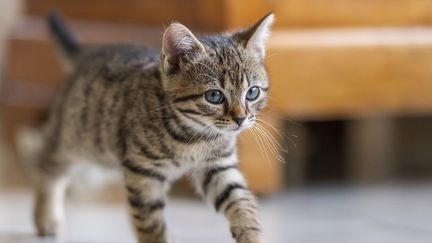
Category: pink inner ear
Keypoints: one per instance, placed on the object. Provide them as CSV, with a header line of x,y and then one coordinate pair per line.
x,y
260,35
170,45
179,40
179,46
257,50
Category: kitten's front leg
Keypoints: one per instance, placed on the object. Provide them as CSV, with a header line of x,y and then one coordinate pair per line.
x,y
146,197
223,185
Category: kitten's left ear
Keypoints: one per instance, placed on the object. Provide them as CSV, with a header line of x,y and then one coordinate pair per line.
x,y
179,46
254,38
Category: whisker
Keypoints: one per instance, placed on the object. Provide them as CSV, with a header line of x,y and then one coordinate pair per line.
x,y
160,108
206,148
273,152
272,144
282,136
273,54
290,139
271,126
261,142
280,117
196,133
266,132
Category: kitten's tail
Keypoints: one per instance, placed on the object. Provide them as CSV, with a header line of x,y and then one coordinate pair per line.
x,y
66,41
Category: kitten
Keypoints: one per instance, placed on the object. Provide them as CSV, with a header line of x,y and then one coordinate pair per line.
x,y
158,116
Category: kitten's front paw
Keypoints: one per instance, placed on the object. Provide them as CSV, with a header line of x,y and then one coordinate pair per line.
x,y
247,235
47,226
250,239
173,240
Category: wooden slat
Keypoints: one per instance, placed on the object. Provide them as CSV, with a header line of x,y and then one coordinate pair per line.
x,y
24,62
198,14
217,15
31,37
91,32
332,13
351,73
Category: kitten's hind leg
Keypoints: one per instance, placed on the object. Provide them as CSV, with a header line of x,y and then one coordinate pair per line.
x,y
47,175
50,190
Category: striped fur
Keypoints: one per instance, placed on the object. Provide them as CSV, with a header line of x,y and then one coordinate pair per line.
x,y
147,112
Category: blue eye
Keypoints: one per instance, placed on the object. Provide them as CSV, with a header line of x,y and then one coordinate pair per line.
x,y
253,93
214,96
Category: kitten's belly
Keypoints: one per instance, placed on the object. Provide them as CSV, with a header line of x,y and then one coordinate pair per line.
x,y
185,158
90,156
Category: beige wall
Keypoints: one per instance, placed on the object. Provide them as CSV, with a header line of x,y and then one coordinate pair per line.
x,y
9,12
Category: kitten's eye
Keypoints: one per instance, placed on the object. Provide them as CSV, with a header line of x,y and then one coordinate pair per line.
x,y
253,93
214,96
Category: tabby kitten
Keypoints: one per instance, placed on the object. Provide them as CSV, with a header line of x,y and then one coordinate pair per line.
x,y
159,116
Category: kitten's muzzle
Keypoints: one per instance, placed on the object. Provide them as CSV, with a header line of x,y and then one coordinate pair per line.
x,y
238,114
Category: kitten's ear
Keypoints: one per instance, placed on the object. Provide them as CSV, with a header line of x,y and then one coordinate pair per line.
x,y
254,37
179,45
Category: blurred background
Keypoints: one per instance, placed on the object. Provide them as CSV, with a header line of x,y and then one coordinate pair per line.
x,y
351,100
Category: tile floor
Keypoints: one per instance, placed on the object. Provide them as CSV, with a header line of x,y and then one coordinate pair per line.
x,y
383,214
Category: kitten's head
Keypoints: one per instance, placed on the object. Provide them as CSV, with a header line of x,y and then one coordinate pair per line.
x,y
216,81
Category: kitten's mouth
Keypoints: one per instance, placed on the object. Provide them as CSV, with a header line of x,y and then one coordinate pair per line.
x,y
237,128
232,127
240,128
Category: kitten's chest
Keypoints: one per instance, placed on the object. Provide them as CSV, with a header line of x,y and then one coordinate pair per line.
x,y
190,155
204,153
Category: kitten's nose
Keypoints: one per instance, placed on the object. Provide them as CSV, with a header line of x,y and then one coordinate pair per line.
x,y
238,113
239,120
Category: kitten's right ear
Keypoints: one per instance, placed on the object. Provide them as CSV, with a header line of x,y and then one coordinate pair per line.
x,y
179,46
254,38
